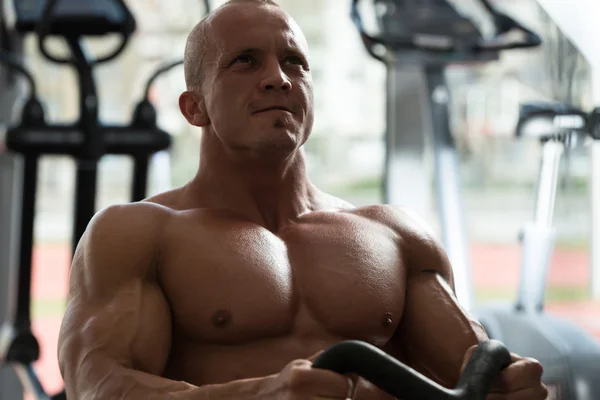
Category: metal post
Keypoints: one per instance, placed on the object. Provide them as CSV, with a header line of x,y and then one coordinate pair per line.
x,y
11,184
418,118
407,180
595,206
448,186
538,237
86,180
139,187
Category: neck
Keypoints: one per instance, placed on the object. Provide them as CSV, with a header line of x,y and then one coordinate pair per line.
x,y
270,191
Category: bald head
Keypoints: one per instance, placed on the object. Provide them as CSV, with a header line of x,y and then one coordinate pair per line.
x,y
197,45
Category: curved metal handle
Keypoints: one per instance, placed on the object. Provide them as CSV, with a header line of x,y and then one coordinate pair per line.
x,y
43,28
502,22
401,381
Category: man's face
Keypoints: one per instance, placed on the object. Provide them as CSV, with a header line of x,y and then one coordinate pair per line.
x,y
257,89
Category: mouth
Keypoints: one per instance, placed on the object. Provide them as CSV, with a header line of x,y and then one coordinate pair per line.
x,y
274,108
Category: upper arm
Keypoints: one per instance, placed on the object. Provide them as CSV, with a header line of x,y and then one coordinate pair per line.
x,y
116,312
435,331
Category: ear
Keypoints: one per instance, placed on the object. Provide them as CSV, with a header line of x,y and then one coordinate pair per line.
x,y
193,109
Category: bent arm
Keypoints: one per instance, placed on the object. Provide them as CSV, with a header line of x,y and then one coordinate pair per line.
x,y
435,331
116,334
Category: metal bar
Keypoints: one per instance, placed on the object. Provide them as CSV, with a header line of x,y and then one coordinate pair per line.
x,y
30,177
85,198
448,186
407,176
539,236
548,181
417,111
140,178
11,183
87,162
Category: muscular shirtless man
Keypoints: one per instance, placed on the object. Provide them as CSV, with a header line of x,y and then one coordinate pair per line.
x,y
226,287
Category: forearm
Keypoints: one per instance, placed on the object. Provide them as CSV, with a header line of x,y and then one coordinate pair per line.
x,y
118,382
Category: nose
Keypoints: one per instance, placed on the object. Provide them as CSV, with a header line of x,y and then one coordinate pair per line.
x,y
274,79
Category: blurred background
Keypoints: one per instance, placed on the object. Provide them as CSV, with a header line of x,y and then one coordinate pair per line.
x,y
346,152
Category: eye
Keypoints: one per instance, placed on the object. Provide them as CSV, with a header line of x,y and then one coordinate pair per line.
x,y
244,59
294,60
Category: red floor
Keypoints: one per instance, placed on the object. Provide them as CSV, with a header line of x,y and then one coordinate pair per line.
x,y
495,266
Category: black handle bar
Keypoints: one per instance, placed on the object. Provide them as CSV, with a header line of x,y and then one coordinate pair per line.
x,y
503,24
399,380
45,28
70,140
594,124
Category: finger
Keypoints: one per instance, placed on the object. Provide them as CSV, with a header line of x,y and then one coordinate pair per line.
x,y
467,357
351,390
538,393
315,356
324,383
522,374
351,387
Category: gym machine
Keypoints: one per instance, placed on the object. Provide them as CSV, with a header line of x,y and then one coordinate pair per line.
x,y
86,141
420,39
570,356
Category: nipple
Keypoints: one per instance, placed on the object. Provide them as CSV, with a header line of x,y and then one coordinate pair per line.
x,y
222,318
387,319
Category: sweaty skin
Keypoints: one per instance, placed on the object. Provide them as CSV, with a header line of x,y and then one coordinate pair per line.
x,y
210,290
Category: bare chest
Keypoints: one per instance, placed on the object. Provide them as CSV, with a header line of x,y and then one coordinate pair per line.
x,y
230,281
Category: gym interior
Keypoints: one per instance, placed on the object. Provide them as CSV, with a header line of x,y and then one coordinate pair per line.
x,y
498,141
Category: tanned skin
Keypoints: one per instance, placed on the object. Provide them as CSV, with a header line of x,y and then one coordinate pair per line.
x,y
227,287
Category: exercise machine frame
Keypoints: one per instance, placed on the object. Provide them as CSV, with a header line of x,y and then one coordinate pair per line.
x,y
86,141
417,48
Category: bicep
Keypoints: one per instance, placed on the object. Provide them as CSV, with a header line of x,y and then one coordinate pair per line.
x,y
435,331
131,327
116,311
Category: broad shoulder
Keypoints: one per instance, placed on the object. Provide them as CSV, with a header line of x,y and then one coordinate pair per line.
x,y
403,221
419,245
143,218
123,231
125,219
119,244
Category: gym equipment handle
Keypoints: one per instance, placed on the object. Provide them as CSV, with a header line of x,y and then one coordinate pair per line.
x,y
502,22
70,139
594,124
401,381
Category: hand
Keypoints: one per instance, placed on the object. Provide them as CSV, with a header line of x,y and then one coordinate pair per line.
x,y
300,381
365,390
521,380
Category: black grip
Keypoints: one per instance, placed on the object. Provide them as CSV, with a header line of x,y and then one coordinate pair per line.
x,y
487,361
401,381
594,124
